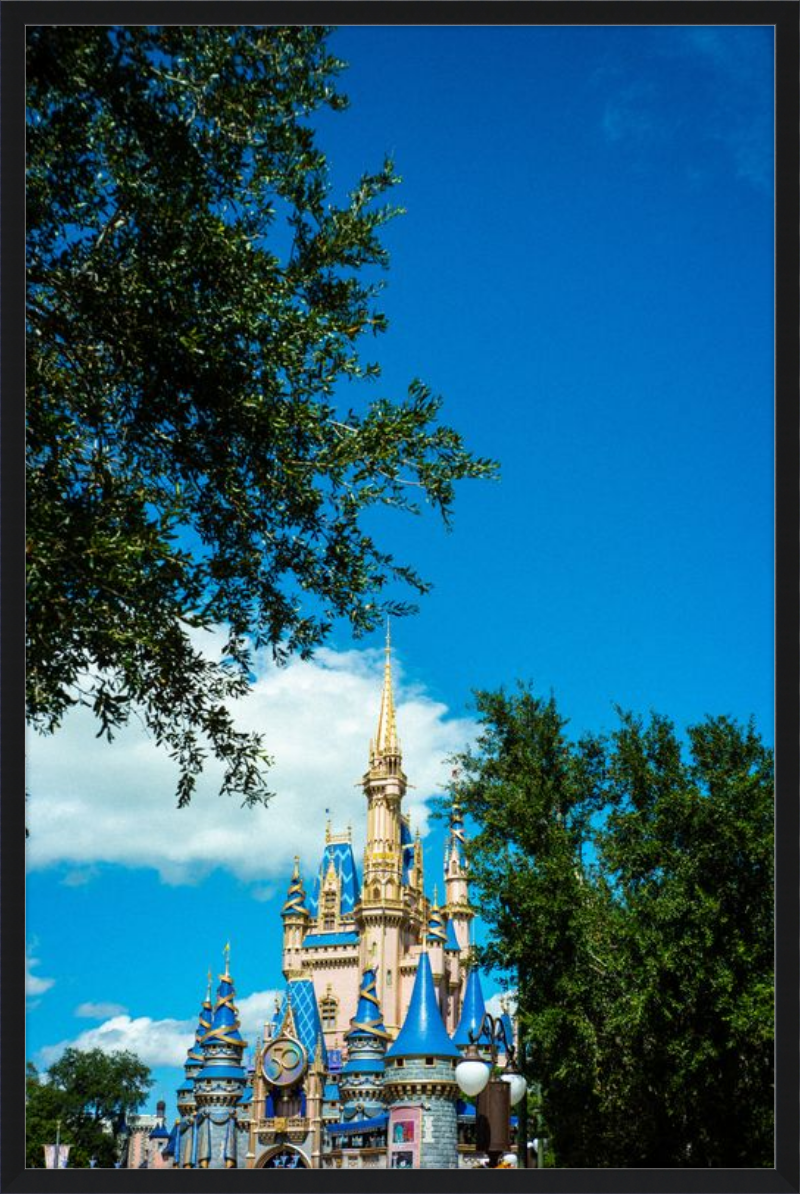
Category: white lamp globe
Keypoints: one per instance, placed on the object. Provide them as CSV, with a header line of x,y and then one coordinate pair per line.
x,y
517,1087
472,1076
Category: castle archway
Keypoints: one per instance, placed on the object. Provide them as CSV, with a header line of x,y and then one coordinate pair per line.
x,y
283,1156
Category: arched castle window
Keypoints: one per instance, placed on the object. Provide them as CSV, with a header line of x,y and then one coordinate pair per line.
x,y
329,912
327,1010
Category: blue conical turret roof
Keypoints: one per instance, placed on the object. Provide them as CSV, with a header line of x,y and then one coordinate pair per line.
x,y
473,1009
295,896
437,934
508,1026
423,1032
368,1020
224,1028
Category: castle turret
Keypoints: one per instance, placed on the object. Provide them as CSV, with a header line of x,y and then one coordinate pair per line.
x,y
220,1083
435,938
382,907
361,1083
295,917
420,1085
459,909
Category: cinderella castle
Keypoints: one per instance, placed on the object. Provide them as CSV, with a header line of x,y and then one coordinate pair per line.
x,y
356,1068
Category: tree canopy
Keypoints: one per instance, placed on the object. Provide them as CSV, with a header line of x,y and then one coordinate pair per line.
x,y
90,1093
196,300
628,884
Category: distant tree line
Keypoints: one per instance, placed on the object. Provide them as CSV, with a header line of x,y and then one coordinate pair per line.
x,y
85,1096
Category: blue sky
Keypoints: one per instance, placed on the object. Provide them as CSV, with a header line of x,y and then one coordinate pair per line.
x,y
585,273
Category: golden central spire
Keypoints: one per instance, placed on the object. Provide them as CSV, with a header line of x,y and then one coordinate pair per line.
x,y
386,737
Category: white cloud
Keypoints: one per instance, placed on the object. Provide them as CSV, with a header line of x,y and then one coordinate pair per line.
x,y
502,1001
34,984
92,802
99,1011
157,1042
254,1012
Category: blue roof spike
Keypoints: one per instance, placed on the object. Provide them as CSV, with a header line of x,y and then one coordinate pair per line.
x,y
368,1020
423,1032
225,1023
451,941
170,1148
406,849
437,934
508,1026
473,1009
295,896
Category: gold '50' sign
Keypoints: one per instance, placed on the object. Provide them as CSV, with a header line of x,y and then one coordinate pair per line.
x,y
284,1061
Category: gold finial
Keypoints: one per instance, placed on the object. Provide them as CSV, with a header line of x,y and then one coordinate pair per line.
x,y
208,991
328,830
296,871
227,953
435,896
386,736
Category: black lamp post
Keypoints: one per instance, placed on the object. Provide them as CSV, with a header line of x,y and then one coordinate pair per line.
x,y
495,1096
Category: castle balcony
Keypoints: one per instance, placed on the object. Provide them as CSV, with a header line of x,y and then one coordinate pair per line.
x,y
295,1128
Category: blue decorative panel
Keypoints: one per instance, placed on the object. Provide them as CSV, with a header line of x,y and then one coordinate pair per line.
x,y
306,1016
341,853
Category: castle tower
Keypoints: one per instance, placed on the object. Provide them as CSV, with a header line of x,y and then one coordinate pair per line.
x,y
459,910
362,1074
382,909
455,971
158,1139
420,1085
295,924
436,938
220,1084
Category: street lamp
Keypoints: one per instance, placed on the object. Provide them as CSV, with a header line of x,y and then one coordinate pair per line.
x,y
495,1096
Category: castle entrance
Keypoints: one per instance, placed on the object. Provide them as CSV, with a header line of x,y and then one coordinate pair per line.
x,y
284,1157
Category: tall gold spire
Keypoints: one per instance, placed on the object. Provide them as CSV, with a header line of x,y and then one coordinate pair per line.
x,y
386,737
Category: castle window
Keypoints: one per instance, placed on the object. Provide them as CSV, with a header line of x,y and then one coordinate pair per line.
x,y
429,1061
328,923
328,1009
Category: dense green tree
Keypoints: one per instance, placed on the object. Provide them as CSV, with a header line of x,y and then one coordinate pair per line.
x,y
90,1093
628,884
195,297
